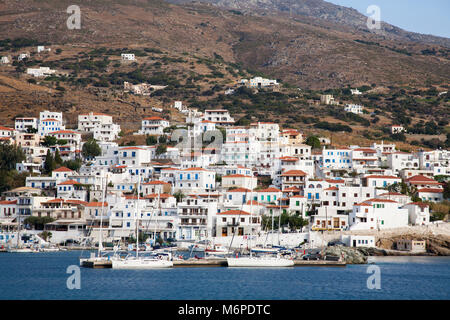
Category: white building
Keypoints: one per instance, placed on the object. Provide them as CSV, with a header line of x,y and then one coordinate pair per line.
x,y
153,126
195,180
259,82
128,57
377,214
25,124
40,72
101,125
239,181
219,116
397,129
354,108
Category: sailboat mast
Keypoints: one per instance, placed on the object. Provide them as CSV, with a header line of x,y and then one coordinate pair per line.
x,y
137,213
251,222
101,219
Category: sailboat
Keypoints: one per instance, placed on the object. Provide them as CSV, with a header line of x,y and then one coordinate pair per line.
x,y
141,262
19,248
100,260
259,261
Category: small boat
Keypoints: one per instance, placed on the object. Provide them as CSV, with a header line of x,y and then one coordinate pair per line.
x,y
265,250
196,248
142,262
259,262
218,249
22,250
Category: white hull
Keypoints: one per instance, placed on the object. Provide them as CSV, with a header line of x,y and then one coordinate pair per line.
x,y
141,263
259,262
22,250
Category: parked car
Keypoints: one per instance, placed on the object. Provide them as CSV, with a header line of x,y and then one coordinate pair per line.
x,y
312,256
336,243
331,258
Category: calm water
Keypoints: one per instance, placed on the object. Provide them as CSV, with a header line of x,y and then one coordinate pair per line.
x,y
43,276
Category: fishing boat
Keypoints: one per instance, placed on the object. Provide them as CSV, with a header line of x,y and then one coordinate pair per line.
x,y
218,249
150,261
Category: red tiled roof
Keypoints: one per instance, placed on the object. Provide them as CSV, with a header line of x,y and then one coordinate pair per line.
x,y
431,190
96,204
62,169
194,169
6,202
366,150
237,176
64,131
234,212
331,188
156,195
153,118
240,190
269,190
5,128
421,179
291,173
380,177
155,183
420,204
380,200
69,182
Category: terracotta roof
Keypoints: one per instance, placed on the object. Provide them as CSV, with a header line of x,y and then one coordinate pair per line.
x,y
234,212
240,190
155,183
366,150
96,204
420,204
62,169
331,188
380,200
291,189
393,194
64,131
269,190
156,195
334,181
50,119
5,128
237,176
380,177
296,197
363,204
253,202
431,190
294,173
421,179
69,182
153,118
5,202
194,169
132,148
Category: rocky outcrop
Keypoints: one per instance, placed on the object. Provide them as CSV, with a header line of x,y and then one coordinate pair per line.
x,y
350,255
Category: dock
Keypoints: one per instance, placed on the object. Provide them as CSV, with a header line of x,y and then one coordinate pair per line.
x,y
97,264
317,263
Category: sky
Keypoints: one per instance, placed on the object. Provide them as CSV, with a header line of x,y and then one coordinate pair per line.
x,y
422,16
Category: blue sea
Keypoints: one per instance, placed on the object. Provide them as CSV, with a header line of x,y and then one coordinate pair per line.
x,y
43,276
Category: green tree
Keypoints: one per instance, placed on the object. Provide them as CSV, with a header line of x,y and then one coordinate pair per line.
x,y
313,141
151,140
179,196
49,164
58,159
9,156
91,149
49,141
162,148
38,223
73,164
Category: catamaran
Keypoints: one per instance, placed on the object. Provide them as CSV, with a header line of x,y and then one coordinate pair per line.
x,y
258,261
151,261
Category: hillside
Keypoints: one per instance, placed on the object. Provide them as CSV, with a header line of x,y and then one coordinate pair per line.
x,y
309,52
199,50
